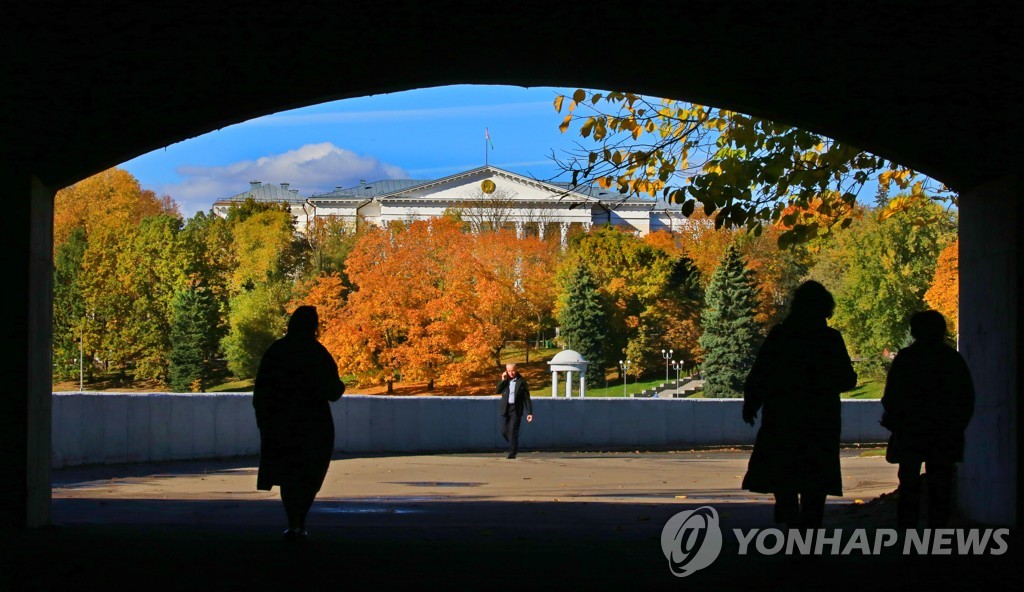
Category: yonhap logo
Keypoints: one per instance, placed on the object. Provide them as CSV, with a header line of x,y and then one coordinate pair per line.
x,y
691,540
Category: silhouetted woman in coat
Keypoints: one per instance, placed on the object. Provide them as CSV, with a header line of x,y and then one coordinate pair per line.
x,y
297,379
928,401
795,383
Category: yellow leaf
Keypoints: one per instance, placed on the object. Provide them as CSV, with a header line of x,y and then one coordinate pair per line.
x,y
558,103
565,124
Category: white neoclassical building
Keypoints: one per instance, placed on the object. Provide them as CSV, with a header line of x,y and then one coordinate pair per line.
x,y
485,198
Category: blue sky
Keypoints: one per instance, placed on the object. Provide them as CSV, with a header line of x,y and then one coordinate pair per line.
x,y
420,134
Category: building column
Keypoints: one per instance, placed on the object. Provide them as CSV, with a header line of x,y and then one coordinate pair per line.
x,y
564,227
540,230
519,229
25,399
988,481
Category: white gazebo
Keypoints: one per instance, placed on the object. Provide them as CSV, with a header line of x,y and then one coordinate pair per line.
x,y
568,361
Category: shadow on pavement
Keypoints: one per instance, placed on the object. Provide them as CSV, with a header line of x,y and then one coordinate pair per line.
x,y
175,544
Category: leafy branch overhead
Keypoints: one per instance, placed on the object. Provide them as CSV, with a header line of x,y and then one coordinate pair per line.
x,y
745,171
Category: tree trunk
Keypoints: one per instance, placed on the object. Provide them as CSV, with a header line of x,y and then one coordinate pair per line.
x,y
391,387
430,384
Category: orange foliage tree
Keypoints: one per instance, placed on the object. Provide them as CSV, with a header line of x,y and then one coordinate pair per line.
x,y
944,293
432,303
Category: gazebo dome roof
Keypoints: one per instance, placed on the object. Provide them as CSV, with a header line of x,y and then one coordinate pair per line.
x,y
567,356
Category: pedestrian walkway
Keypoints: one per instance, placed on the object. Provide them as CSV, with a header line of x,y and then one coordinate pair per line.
x,y
452,520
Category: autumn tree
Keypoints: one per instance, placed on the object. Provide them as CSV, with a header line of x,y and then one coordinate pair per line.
x,y
211,260
327,293
266,248
731,333
267,253
396,275
328,242
583,324
744,170
69,305
632,278
879,270
130,277
257,319
109,199
513,286
944,293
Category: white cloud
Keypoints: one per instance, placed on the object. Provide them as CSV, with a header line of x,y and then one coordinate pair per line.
x,y
313,168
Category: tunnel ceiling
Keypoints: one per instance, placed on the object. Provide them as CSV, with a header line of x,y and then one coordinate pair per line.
x,y
933,85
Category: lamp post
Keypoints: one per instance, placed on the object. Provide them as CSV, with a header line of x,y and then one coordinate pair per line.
x,y
677,366
623,367
668,356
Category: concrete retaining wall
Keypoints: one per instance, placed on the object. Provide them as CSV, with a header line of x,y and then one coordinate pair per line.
x,y
117,428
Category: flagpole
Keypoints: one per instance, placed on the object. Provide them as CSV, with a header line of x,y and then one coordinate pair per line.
x,y
485,147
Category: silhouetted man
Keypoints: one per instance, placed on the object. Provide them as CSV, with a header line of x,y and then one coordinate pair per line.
x,y
928,402
514,401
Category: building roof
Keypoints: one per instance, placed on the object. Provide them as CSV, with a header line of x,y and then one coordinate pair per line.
x,y
267,192
372,189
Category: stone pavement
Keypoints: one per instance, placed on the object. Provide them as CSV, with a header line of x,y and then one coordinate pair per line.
x,y
460,520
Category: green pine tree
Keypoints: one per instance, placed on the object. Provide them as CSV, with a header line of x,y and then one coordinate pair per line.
x,y
190,327
584,325
731,333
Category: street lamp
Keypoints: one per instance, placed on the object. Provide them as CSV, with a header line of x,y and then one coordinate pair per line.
x,y
623,367
668,356
677,366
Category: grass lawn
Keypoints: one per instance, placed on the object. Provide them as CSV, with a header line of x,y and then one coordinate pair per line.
x,y
614,388
870,388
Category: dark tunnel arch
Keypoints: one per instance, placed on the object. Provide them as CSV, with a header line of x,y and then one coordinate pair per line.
x,y
86,89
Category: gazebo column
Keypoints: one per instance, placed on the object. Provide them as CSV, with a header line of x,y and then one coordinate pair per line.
x,y
554,383
583,384
568,383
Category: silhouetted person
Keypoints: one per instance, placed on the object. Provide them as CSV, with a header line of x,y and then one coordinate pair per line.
x,y
296,380
795,382
514,402
928,401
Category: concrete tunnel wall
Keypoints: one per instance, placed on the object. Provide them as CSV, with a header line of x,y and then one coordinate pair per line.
x,y
139,428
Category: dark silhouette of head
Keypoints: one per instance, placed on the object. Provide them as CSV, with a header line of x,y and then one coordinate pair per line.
x,y
812,300
928,325
304,322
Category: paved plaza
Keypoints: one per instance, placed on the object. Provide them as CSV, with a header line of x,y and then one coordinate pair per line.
x,y
560,518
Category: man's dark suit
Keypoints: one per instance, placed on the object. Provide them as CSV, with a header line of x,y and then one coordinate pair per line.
x,y
513,414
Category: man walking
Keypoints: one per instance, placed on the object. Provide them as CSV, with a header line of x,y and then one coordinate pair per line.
x,y
514,401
